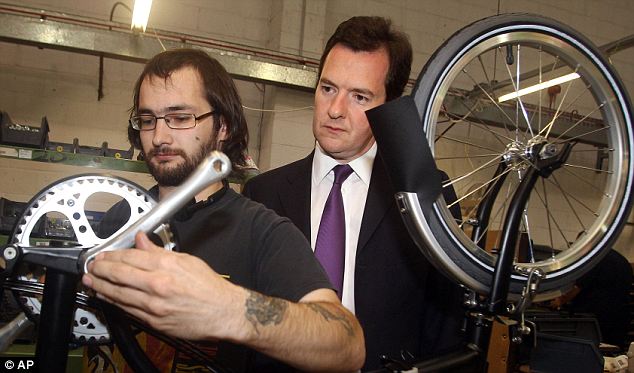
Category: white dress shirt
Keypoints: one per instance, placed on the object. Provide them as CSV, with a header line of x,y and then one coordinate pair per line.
x,y
354,191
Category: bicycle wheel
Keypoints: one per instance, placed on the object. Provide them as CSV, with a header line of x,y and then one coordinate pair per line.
x,y
488,122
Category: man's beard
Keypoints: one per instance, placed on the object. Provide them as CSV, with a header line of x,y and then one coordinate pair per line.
x,y
174,176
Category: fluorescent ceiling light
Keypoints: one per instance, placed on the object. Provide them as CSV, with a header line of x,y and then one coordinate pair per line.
x,y
538,87
141,14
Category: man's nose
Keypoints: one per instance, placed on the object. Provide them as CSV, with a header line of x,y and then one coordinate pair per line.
x,y
162,133
338,106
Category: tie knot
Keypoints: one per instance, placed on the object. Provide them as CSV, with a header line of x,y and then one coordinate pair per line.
x,y
342,172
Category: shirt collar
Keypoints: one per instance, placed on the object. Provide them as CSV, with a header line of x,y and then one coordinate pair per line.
x,y
192,206
362,166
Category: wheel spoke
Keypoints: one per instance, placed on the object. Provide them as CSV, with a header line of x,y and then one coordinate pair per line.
x,y
468,156
498,136
471,144
559,229
558,112
548,215
585,182
493,101
574,211
597,150
584,134
588,168
539,106
484,71
486,165
478,188
516,88
564,192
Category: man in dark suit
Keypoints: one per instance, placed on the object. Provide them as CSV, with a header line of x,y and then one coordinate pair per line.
x,y
406,308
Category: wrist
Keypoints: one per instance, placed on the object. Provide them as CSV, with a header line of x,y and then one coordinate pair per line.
x,y
227,315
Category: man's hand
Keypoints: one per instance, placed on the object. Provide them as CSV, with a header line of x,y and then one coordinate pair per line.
x,y
175,293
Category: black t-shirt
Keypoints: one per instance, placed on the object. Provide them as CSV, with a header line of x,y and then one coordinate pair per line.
x,y
248,244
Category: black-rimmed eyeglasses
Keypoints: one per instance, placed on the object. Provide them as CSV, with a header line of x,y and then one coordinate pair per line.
x,y
177,121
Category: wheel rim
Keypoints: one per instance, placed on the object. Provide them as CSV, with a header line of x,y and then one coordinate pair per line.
x,y
461,126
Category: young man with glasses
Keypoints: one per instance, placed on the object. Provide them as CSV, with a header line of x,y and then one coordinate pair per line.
x,y
245,279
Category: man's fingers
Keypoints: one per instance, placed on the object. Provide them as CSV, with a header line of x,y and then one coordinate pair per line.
x,y
144,243
116,291
141,259
144,258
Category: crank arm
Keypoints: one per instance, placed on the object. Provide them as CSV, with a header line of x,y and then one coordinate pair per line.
x,y
60,258
212,169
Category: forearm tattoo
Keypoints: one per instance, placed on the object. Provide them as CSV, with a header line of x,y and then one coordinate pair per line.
x,y
328,316
263,310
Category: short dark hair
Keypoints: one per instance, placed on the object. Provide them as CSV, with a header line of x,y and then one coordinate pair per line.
x,y
368,34
221,93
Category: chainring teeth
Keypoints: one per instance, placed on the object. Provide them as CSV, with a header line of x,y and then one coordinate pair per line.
x,y
87,328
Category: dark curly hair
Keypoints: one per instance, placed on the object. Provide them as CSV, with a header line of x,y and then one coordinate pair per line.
x,y
221,93
368,34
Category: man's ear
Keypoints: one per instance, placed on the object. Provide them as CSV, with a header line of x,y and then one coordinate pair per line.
x,y
222,132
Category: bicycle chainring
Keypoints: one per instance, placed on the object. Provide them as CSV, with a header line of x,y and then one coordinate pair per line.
x,y
66,200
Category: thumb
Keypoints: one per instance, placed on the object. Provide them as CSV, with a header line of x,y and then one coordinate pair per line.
x,y
142,242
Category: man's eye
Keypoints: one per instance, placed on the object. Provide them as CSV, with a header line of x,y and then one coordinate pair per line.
x,y
181,118
361,99
327,89
146,121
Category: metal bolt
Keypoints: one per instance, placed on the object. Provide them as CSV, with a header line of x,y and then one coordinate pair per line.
x,y
70,202
525,330
10,253
470,303
549,150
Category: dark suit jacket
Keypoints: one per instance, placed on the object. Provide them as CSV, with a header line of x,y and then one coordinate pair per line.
x,y
401,301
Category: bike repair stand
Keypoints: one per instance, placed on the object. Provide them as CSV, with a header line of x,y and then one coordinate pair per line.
x,y
58,301
56,321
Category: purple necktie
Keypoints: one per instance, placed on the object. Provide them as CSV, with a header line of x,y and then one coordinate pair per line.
x,y
330,247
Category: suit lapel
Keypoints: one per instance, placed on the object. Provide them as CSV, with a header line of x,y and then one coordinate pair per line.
x,y
294,197
380,199
295,194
